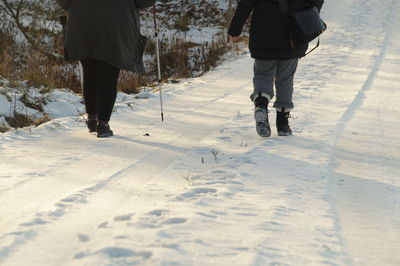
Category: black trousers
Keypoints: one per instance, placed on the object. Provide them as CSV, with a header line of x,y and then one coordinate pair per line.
x,y
99,88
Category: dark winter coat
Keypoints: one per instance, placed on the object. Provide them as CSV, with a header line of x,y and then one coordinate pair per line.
x,y
106,30
269,38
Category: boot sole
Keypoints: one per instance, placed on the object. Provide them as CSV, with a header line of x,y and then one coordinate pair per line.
x,y
262,126
284,134
104,135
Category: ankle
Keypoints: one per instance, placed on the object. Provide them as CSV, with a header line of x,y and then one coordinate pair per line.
x,y
261,101
282,117
103,123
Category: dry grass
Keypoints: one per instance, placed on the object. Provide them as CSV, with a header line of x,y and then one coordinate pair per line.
x,y
182,59
39,70
19,120
178,59
22,120
131,82
30,103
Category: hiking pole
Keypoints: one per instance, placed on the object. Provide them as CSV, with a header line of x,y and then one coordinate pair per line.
x,y
158,60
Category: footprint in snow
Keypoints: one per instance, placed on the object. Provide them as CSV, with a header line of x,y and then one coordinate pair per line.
x,y
83,237
197,191
57,213
37,221
174,246
157,212
246,214
284,211
207,215
226,139
176,220
152,219
104,225
271,226
75,198
241,248
120,237
116,252
219,213
218,172
165,235
123,218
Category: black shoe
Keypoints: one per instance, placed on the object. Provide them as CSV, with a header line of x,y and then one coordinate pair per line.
x,y
92,125
262,123
282,123
261,117
104,131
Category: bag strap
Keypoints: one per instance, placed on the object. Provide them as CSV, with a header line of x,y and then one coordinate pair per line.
x,y
316,46
284,8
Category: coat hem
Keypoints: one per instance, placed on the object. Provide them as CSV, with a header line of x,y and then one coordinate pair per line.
x,y
136,68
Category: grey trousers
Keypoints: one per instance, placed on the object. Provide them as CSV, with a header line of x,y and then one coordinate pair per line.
x,y
278,72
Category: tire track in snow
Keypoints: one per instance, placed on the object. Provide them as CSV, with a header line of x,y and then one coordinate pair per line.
x,y
358,99
345,119
347,40
70,203
82,196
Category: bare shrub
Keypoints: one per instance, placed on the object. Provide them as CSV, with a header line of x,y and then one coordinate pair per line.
x,y
19,120
40,70
38,58
131,82
183,59
23,120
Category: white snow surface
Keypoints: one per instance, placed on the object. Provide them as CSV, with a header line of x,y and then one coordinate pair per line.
x,y
202,188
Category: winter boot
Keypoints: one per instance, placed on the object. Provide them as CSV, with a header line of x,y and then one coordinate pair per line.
x,y
103,130
282,123
91,122
91,125
261,116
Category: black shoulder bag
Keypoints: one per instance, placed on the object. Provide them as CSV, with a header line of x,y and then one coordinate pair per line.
x,y
303,26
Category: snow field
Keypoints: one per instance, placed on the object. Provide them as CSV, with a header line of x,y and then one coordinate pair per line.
x,y
202,188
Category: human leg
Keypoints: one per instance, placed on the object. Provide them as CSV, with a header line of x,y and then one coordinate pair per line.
x,y
263,81
90,92
107,78
286,70
284,95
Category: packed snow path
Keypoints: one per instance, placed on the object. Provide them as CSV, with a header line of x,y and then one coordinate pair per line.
x,y
203,189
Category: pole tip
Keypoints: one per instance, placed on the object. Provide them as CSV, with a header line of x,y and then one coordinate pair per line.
x,y
162,117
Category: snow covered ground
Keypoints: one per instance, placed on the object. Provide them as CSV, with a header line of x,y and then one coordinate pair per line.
x,y
202,188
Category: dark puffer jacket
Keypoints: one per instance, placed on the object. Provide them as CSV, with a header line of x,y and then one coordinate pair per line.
x,y
268,34
106,30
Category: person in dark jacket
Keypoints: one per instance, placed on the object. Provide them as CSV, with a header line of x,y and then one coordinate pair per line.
x,y
275,59
104,35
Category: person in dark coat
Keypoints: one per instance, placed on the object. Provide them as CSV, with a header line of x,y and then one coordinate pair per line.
x,y
275,59
104,35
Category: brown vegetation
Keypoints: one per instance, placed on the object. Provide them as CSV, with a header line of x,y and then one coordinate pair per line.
x,y
33,51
